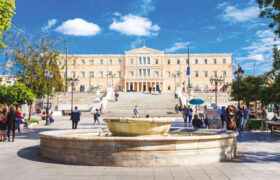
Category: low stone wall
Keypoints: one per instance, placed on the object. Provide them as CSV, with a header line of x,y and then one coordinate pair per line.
x,y
88,148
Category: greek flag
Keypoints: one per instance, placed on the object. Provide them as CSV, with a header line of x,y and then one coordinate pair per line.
x,y
188,73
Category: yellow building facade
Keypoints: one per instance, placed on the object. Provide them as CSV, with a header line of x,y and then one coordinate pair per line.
x,y
145,68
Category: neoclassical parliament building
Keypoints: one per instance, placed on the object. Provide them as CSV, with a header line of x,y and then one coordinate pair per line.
x,y
143,68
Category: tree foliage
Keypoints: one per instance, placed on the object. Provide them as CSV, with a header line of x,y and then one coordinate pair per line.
x,y
271,9
18,94
248,89
30,56
6,13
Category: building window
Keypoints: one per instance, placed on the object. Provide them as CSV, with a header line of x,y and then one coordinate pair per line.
x,y
215,73
110,73
196,61
140,72
91,74
206,87
224,61
149,60
169,74
120,74
74,61
205,61
224,73
73,74
131,74
197,87
178,61
140,60
101,74
92,61
83,61
131,61
205,73
101,61
196,73
178,73
168,61
144,72
120,61
168,87
120,87
149,72
156,73
215,61
111,61
156,61
83,74
144,60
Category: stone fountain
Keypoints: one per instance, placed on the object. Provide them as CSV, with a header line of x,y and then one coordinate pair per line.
x,y
139,142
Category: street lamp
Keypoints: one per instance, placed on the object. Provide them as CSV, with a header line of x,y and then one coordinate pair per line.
x,y
48,74
73,83
238,75
112,76
216,81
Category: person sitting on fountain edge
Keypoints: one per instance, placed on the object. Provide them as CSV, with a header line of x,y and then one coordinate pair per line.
x,y
197,123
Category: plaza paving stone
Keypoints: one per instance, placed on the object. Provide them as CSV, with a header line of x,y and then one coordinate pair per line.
x,y
258,158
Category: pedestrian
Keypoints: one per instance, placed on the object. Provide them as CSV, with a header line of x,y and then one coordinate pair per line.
x,y
246,117
51,117
11,119
3,124
176,109
185,114
231,124
276,109
223,116
135,111
264,113
190,111
101,108
96,117
116,96
197,123
159,90
75,117
19,121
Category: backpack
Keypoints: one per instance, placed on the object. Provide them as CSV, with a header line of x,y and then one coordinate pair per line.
x,y
3,118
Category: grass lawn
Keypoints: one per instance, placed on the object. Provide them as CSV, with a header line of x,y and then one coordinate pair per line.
x,y
32,121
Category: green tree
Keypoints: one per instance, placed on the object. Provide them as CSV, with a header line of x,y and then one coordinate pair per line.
x,y
21,94
6,13
3,94
248,89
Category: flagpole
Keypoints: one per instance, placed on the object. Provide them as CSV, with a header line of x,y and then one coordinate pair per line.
x,y
188,73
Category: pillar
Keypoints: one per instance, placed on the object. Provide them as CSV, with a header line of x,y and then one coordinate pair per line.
x,y
124,86
138,83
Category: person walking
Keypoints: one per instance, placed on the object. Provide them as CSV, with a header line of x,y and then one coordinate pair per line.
x,y
75,117
135,111
19,121
223,116
190,111
96,117
185,114
246,117
51,118
12,123
3,124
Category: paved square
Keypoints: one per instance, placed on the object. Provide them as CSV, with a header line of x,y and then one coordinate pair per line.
x,y
258,158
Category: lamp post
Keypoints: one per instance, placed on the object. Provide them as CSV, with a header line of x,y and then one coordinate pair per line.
x,y
112,76
188,69
216,81
73,83
48,74
238,75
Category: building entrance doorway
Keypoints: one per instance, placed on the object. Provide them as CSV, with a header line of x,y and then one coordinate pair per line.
x,y
144,87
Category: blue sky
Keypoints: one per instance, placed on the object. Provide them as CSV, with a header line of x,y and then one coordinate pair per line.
x,y
114,26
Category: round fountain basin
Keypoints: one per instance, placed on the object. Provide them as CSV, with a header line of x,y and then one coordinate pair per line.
x,y
181,148
138,126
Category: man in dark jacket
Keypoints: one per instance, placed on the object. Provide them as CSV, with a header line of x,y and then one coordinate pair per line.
x,y
75,117
12,124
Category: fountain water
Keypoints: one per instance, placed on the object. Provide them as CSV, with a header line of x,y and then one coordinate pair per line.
x,y
139,142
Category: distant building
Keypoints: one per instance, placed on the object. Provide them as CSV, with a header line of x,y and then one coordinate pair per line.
x,y
145,68
7,80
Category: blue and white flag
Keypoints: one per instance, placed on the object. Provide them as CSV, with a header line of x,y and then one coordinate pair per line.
x,y
188,73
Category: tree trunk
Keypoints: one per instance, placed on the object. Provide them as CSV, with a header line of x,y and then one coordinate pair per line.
x,y
30,110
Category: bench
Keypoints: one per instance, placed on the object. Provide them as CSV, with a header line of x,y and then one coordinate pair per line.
x,y
275,125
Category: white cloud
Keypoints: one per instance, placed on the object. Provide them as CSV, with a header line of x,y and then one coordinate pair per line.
x,y
147,7
222,5
50,24
177,46
135,26
78,27
137,43
234,14
117,14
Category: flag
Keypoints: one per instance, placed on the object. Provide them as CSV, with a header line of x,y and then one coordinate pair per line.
x,y
188,73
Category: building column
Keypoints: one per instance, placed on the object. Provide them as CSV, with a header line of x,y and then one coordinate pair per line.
x,y
133,85
138,84
163,84
124,86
